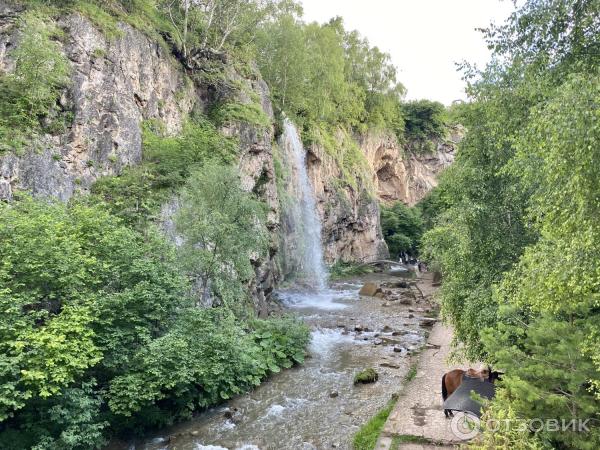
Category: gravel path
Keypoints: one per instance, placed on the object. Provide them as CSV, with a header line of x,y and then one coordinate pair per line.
x,y
418,411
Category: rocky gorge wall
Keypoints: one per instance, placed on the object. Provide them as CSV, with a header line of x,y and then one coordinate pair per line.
x,y
350,215
118,83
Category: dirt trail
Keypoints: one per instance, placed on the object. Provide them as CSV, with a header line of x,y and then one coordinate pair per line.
x,y
418,412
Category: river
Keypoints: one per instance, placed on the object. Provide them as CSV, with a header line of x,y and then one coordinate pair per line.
x,y
315,405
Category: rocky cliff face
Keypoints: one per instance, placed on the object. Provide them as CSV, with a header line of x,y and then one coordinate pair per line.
x,y
118,83
402,175
115,85
350,216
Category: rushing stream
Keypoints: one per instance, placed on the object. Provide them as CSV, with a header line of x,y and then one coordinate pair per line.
x,y
315,405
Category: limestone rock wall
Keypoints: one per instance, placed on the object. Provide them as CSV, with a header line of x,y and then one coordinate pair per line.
x,y
401,175
350,217
116,84
120,82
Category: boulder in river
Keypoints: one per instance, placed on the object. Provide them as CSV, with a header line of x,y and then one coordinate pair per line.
x,y
369,289
389,365
369,375
427,322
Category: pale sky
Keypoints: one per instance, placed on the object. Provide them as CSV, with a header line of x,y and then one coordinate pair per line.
x,y
425,38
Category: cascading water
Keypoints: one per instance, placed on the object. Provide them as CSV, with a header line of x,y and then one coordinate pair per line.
x,y
302,224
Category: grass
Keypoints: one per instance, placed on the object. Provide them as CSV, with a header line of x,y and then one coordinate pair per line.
x,y
366,437
411,374
407,439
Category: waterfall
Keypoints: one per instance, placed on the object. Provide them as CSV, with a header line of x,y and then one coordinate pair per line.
x,y
302,226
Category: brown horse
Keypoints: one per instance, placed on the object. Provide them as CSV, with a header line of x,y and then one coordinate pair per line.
x,y
452,380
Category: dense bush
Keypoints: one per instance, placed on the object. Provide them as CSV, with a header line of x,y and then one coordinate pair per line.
x,y
98,332
30,93
402,228
80,295
207,357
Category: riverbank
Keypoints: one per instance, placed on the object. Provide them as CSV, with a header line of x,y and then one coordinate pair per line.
x,y
417,420
317,405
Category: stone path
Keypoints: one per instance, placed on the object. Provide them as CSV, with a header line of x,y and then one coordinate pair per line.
x,y
418,411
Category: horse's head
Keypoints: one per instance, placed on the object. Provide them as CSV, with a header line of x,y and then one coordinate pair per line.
x,y
495,376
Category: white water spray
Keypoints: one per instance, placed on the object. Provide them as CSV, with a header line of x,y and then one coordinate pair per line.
x,y
302,215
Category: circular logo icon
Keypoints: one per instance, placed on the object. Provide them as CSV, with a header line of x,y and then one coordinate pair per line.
x,y
465,426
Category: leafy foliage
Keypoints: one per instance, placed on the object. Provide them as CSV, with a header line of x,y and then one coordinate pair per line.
x,y
80,294
223,230
137,194
30,92
185,370
98,331
424,120
402,228
517,233
324,74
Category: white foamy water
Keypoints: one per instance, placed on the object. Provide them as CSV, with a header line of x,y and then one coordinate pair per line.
x,y
275,410
301,215
328,299
324,341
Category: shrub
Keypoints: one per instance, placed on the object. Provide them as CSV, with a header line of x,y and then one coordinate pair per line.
x,y
81,294
30,93
137,194
424,119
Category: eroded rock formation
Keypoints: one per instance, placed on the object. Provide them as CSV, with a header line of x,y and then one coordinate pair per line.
x,y
118,83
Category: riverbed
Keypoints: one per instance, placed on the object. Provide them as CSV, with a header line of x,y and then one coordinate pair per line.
x,y
316,405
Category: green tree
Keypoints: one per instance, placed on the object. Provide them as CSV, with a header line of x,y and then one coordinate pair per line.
x,y
402,228
223,230
517,237
424,119
79,294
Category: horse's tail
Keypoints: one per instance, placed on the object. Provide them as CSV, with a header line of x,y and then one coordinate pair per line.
x,y
444,390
